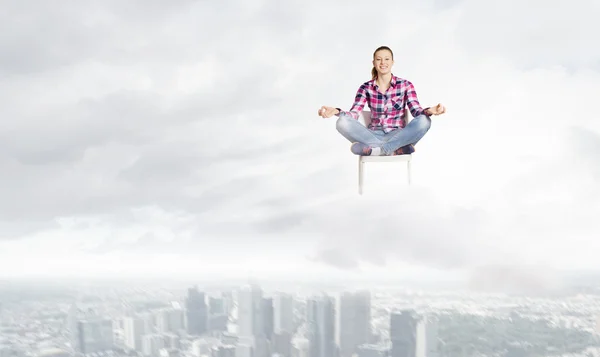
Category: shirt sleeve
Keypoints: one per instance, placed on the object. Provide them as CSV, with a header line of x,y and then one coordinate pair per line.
x,y
412,100
359,103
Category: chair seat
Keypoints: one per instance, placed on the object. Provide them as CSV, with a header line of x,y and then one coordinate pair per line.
x,y
393,158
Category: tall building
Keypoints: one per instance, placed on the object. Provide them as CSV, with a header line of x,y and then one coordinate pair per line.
x,y
320,318
250,321
428,338
133,330
216,306
267,317
282,343
403,333
73,321
95,335
283,313
152,344
169,320
353,321
218,315
196,312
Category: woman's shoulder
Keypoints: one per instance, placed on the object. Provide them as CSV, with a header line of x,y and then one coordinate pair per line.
x,y
368,83
402,81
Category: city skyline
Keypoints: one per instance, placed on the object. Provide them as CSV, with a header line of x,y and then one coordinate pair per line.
x,y
155,321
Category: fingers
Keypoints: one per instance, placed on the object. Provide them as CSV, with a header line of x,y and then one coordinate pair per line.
x,y
326,112
322,111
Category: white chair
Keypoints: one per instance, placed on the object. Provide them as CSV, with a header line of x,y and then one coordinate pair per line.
x,y
366,117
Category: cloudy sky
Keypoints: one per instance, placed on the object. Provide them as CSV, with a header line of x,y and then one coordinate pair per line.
x,y
182,137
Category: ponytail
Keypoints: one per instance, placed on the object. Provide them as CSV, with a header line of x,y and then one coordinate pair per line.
x,y
374,73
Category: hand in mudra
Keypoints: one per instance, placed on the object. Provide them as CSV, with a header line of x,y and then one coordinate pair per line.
x,y
327,112
437,110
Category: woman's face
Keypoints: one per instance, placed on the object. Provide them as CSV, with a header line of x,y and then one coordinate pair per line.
x,y
383,62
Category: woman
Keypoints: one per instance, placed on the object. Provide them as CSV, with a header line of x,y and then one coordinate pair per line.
x,y
387,97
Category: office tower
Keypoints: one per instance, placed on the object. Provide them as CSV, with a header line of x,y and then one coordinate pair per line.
x,y
73,321
172,341
282,343
403,333
244,348
216,306
228,301
250,322
428,342
267,315
152,344
283,313
149,321
196,314
320,318
95,335
353,321
169,320
218,315
133,328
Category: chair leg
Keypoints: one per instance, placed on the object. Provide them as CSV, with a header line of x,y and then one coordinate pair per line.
x,y
408,170
360,176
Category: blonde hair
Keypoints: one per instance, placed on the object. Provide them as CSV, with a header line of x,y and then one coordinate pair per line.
x,y
380,48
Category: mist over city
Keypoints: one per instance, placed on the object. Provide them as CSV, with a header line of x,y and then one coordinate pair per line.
x,y
178,178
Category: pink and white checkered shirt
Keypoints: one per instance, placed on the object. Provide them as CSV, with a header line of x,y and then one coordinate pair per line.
x,y
387,110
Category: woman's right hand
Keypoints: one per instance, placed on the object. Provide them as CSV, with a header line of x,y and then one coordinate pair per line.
x,y
327,112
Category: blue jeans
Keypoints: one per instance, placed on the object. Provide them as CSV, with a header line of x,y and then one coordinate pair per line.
x,y
355,131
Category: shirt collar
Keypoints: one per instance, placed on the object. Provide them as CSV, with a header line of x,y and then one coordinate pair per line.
x,y
392,82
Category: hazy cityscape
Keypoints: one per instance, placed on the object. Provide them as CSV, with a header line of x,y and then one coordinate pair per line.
x,y
169,188
258,319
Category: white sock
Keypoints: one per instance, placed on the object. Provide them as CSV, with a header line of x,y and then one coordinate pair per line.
x,y
376,151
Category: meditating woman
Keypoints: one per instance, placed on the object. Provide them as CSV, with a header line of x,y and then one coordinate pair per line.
x,y
387,97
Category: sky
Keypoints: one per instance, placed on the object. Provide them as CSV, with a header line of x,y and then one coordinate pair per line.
x,y
182,138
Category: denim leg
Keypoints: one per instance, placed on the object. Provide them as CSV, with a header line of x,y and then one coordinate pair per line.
x,y
410,134
355,131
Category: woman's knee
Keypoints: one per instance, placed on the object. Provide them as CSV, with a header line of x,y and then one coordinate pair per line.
x,y
423,122
343,124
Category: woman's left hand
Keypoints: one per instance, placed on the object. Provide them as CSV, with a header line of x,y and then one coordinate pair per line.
x,y
437,110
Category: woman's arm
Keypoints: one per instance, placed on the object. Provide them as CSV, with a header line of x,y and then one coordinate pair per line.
x,y
360,99
412,101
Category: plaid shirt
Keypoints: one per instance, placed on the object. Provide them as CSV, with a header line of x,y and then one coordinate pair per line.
x,y
387,110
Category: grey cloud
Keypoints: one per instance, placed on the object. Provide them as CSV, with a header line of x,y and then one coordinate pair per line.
x,y
46,37
212,153
537,35
336,258
11,229
145,243
282,223
529,280
586,143
502,229
420,236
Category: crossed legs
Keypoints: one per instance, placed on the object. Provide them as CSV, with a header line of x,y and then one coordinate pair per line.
x,y
388,143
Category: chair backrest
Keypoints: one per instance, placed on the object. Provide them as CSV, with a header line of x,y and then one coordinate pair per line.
x,y
366,116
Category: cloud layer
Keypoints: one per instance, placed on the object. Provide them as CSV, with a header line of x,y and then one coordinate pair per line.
x,y
188,128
